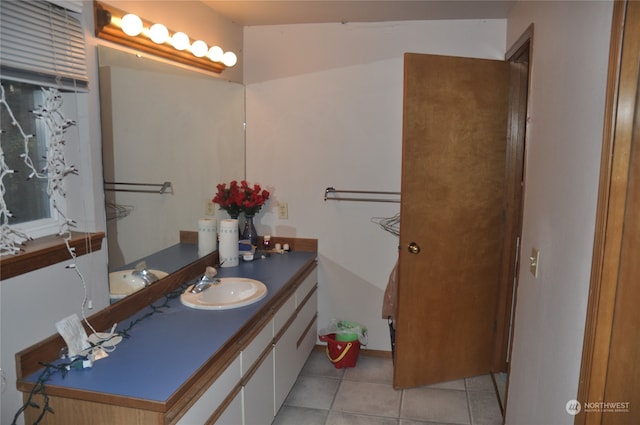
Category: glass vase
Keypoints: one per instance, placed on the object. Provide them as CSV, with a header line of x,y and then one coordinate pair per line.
x,y
249,232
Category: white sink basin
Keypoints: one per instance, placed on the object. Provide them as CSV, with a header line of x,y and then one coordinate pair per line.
x,y
231,292
123,283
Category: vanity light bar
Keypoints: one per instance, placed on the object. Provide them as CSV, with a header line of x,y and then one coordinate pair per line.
x,y
129,30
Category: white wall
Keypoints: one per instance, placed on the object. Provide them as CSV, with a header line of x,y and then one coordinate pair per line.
x,y
324,108
570,53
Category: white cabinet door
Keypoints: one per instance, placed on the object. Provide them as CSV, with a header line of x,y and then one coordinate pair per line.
x,y
258,394
285,369
293,348
232,415
213,396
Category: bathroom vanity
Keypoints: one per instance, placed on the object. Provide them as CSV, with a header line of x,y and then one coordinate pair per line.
x,y
190,366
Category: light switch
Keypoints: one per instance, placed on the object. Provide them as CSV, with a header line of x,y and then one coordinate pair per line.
x,y
534,262
283,210
209,208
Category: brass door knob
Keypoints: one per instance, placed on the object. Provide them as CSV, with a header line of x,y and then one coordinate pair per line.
x,y
414,248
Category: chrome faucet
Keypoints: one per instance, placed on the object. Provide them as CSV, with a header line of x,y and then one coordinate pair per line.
x,y
205,281
144,273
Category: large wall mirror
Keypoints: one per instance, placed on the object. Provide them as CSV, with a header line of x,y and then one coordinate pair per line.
x,y
163,123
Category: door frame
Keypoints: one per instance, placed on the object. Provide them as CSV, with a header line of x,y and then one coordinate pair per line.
x,y
620,111
519,81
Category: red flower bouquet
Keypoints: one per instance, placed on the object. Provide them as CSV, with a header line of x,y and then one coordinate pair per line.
x,y
226,198
240,198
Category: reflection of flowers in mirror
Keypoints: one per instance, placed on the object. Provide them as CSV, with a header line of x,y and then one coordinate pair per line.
x,y
237,198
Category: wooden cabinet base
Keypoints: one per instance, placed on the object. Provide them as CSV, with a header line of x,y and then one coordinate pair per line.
x,y
67,411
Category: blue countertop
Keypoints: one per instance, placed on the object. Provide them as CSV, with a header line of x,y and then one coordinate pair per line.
x,y
165,349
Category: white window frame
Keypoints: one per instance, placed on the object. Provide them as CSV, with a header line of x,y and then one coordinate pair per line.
x,y
59,62
50,225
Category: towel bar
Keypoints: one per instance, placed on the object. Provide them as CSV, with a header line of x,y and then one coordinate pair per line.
x,y
165,187
330,191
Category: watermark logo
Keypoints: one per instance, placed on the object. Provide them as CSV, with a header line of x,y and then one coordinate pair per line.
x,y
606,406
573,407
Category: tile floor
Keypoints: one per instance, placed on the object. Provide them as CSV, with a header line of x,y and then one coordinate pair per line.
x,y
324,395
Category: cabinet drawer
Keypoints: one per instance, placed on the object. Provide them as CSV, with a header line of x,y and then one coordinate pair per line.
x,y
200,412
252,351
306,286
308,340
292,350
305,317
283,314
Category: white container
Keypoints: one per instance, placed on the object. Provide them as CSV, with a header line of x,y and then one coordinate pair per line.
x,y
228,236
207,236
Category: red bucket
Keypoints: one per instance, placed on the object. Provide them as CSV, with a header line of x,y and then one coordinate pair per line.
x,y
341,353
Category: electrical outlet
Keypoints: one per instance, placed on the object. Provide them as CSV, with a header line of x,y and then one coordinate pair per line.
x,y
283,210
210,208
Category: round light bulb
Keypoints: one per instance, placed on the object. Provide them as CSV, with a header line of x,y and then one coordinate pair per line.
x,y
215,54
131,24
180,40
199,48
158,33
229,59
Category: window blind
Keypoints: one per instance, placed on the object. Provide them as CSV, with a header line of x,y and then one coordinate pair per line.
x,y
41,43
73,5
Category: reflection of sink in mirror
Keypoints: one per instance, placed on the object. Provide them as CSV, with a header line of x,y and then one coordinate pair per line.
x,y
230,292
123,283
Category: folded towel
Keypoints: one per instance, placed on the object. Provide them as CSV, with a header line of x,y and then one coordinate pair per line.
x,y
390,302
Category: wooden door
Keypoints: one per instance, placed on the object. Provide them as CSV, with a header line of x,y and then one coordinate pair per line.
x,y
453,182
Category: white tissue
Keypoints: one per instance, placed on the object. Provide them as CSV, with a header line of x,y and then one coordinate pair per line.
x,y
228,243
73,334
207,236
